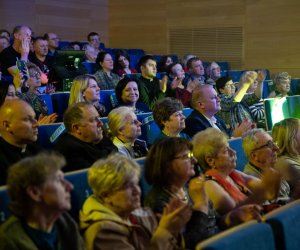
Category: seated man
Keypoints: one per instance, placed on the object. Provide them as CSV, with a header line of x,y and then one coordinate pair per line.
x,y
261,153
92,48
53,43
151,88
195,70
83,143
40,197
19,131
206,105
18,50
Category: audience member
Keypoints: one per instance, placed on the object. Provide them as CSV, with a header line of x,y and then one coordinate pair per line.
x,y
19,50
75,45
40,55
164,62
196,71
235,104
213,73
4,43
7,91
282,85
151,88
169,167
226,187
261,153
127,94
176,76
206,104
53,43
167,114
85,89
112,218
105,78
125,129
83,143
185,59
92,48
286,134
19,131
122,64
39,199
4,32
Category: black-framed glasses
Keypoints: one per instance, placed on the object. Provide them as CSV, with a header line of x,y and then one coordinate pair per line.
x,y
269,144
189,156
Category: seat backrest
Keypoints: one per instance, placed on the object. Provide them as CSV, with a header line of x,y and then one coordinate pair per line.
x,y
247,236
60,102
235,75
285,222
145,187
90,67
48,100
241,161
49,133
4,201
150,129
105,99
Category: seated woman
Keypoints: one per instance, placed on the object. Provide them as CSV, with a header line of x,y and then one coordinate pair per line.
x,y
235,104
169,167
122,62
167,114
85,89
125,129
32,94
213,73
286,134
182,92
105,78
282,84
164,62
112,218
7,91
226,187
39,199
127,94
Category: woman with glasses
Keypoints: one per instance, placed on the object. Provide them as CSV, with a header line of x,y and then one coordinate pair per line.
x,y
124,129
286,134
226,187
167,114
170,168
112,218
30,93
234,103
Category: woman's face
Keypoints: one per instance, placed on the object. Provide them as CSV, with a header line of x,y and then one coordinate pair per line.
x,y
183,165
107,64
178,71
55,192
225,160
34,80
132,129
130,94
123,62
169,61
92,92
11,93
284,86
176,122
229,88
127,198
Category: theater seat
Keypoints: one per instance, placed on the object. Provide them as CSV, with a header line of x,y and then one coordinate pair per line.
x,y
48,100
60,103
241,161
4,201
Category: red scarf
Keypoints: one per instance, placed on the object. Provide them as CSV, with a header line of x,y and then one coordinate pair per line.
x,y
237,192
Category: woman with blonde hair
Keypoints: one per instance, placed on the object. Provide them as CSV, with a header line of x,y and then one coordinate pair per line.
x,y
286,134
85,89
124,129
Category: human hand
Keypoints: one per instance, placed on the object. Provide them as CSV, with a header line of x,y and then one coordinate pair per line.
x,y
24,49
192,85
50,88
261,75
248,77
163,84
175,215
243,127
47,119
176,83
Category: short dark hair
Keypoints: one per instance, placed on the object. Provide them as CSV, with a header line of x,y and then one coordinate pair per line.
x,y
221,82
3,90
144,59
190,62
100,57
38,38
118,54
164,108
5,31
120,86
159,158
169,68
91,34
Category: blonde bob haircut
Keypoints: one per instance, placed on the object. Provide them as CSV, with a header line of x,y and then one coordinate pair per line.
x,y
108,175
79,85
207,143
117,118
284,134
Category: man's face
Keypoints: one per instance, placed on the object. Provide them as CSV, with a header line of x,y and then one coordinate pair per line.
x,y
23,34
94,41
210,102
197,68
41,47
149,69
53,41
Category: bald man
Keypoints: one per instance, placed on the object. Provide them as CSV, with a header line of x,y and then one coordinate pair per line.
x,y
19,131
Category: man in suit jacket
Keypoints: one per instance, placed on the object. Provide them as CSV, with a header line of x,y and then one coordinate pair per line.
x,y
206,104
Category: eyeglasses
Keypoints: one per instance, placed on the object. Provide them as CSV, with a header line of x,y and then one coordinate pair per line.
x,y
269,144
230,86
187,156
36,75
